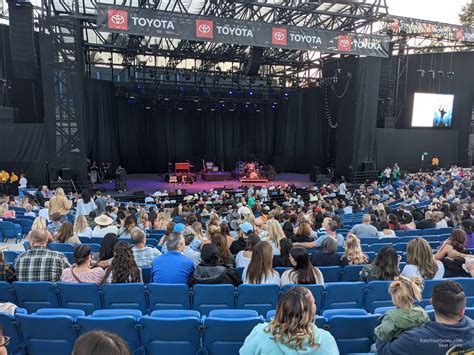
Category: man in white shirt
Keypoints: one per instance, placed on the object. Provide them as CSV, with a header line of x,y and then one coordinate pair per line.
x,y
342,189
104,226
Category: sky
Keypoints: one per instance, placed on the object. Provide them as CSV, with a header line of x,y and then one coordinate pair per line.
x,y
433,10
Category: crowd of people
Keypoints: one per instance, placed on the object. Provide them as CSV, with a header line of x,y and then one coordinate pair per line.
x,y
209,235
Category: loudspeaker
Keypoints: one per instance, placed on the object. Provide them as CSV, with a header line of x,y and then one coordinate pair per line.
x,y
252,65
313,176
8,115
22,40
368,166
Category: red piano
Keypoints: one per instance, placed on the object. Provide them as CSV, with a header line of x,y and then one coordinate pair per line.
x,y
183,167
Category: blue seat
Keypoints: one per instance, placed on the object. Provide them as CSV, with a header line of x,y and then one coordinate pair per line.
x,y
80,296
370,255
368,240
431,231
468,286
377,295
25,224
128,296
146,274
260,298
96,240
226,334
376,247
10,231
278,269
26,245
170,332
10,255
330,273
7,293
354,334
94,246
400,247
382,310
151,242
168,296
86,240
469,311
117,312
11,329
351,272
410,233
61,247
316,290
210,297
406,239
70,256
343,295
427,289
330,313
35,295
49,334
124,326
74,313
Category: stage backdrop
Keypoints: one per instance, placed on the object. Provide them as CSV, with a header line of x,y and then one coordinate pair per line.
x,y
293,137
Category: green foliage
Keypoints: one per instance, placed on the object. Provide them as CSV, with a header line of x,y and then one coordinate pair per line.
x,y
466,17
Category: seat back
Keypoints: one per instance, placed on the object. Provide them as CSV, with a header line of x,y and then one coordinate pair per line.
x,y
351,272
316,290
10,328
344,295
330,273
354,334
35,295
7,293
377,295
210,297
146,274
80,296
168,296
10,255
260,298
128,296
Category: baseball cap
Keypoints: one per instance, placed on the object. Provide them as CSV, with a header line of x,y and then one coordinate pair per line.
x,y
246,227
179,228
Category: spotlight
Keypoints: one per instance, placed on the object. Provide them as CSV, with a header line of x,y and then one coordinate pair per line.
x,y
273,106
180,109
257,110
421,72
251,93
450,74
221,101
199,109
230,92
247,102
431,71
196,100
275,103
147,108
285,94
166,99
213,109
231,110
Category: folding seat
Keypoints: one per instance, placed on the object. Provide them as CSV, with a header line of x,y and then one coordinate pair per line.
x,y
468,286
35,295
25,224
469,312
170,332
10,230
353,333
168,296
329,313
70,256
94,246
368,240
316,290
10,255
128,296
447,230
382,310
351,272
330,273
80,296
210,297
124,325
343,295
146,274
240,271
151,242
74,313
96,240
260,298
10,328
427,289
376,247
406,239
61,247
402,247
370,255
47,334
410,233
86,240
377,295
226,330
430,231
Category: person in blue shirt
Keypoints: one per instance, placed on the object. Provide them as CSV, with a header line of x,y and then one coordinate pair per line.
x,y
172,267
292,331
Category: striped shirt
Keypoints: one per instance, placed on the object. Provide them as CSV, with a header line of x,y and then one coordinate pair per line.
x,y
40,264
93,276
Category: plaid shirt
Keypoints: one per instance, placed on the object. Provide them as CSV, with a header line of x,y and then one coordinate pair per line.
x,y
7,273
144,257
40,264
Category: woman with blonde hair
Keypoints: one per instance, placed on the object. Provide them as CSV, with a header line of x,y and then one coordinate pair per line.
x,y
197,228
162,220
292,331
59,203
353,254
81,227
421,262
213,219
260,270
143,221
40,224
274,235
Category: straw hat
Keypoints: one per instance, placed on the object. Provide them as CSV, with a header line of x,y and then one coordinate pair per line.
x,y
103,220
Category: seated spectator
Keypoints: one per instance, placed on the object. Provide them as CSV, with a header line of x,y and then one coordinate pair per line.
x,y
365,229
123,269
426,223
99,342
55,224
393,222
222,247
408,223
330,233
40,263
292,331
303,233
451,330
283,260
384,267
66,235
211,270
81,227
40,224
106,251
82,271
452,254
168,230
468,227
386,231
405,292
129,226
438,217
260,270
327,256
302,272
193,255
103,226
225,231
178,228
274,235
242,259
143,255
7,272
172,267
244,230
29,211
353,254
421,262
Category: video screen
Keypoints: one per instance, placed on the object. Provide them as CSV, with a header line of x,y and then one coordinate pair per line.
x,y
432,110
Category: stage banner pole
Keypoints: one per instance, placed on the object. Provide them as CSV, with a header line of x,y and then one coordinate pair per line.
x,y
156,23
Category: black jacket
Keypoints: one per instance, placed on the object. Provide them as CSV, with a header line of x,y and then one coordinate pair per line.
x,y
319,258
214,275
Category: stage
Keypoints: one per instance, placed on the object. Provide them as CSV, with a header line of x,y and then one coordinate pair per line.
x,y
149,183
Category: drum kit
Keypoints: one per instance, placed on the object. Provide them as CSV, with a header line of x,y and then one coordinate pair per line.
x,y
252,170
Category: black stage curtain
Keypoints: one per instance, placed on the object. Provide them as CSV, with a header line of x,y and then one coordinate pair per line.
x,y
23,148
291,137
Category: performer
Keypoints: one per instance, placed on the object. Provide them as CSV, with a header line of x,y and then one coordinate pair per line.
x,y
387,173
121,179
4,177
13,184
396,172
94,174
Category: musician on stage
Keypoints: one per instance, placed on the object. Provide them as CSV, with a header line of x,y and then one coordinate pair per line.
x,y
121,179
13,184
4,178
396,172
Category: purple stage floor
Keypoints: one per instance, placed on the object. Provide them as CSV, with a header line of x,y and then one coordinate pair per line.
x,y
150,182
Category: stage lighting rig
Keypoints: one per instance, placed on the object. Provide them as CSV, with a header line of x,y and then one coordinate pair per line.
x,y
421,72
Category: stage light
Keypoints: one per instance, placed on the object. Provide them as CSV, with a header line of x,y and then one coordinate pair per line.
x,y
246,106
275,103
199,109
247,103
251,93
166,99
257,110
230,92
213,109
147,108
232,110
196,100
221,101
273,106
180,109
286,94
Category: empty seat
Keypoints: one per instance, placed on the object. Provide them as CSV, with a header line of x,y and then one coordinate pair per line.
x,y
35,295
400,247
382,310
343,295
226,334
49,334
62,247
10,230
468,286
316,290
10,255
7,293
351,272
376,247
117,312
377,295
130,296
168,296
330,313
260,298
74,313
354,334
210,297
330,273
426,293
80,296
170,332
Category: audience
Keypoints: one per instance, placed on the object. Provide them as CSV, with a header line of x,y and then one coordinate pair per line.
x,y
302,272
81,227
385,232
59,203
85,204
420,261
327,256
274,235
129,227
452,254
98,342
104,226
82,270
260,270
189,252
242,259
143,255
106,251
123,268
222,247
66,235
365,229
240,244
283,260
353,254
7,272
55,224
384,267
40,223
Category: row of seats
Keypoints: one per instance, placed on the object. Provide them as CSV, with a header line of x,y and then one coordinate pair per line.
x,y
203,298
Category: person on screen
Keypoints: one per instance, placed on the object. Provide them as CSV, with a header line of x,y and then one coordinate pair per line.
x,y
443,110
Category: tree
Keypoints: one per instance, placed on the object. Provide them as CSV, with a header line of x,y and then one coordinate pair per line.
x,y
466,17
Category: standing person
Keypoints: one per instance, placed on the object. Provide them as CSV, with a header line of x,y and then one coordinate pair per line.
x,y
23,185
292,331
101,202
396,172
59,203
387,174
143,255
342,189
85,204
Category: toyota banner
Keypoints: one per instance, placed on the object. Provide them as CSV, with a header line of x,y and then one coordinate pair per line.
x,y
136,21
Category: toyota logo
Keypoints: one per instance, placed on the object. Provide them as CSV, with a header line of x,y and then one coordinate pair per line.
x,y
279,36
344,42
204,28
117,19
